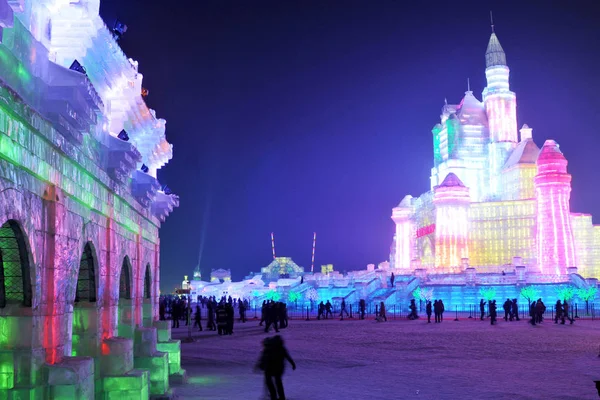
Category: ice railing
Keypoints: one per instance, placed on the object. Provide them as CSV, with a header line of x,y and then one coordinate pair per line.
x,y
539,278
446,279
496,279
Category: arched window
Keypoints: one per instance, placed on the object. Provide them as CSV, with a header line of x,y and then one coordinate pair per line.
x,y
125,281
147,283
15,281
86,280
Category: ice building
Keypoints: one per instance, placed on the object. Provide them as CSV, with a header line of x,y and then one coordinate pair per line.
x,y
497,201
80,211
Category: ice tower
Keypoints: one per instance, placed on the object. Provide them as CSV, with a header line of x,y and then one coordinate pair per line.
x,y
451,200
404,242
496,202
501,109
555,243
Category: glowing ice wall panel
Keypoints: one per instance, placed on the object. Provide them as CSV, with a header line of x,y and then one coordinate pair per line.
x,y
583,233
500,231
424,217
498,154
517,182
451,236
502,112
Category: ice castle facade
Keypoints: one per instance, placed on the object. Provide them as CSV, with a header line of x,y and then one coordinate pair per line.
x,y
80,211
496,221
497,201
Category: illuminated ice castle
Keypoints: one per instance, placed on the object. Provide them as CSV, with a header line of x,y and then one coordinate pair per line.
x,y
497,201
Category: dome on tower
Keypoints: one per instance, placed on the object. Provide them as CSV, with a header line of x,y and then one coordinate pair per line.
x,y
551,159
452,180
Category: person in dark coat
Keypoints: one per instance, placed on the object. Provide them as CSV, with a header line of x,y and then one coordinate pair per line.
x,y
558,310
175,314
436,310
428,311
442,309
198,318
321,311
566,313
540,310
482,309
242,310
343,310
507,306
493,312
533,312
328,308
221,319
272,363
514,312
413,310
362,305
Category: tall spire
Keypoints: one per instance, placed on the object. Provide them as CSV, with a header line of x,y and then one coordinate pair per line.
x,y
494,54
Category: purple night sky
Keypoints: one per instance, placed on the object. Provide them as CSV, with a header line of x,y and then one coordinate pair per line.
x,y
305,116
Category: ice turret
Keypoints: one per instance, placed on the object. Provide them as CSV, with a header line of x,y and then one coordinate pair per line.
x,y
402,252
501,108
452,201
554,238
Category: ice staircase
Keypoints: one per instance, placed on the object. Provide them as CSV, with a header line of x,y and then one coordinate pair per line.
x,y
147,357
119,379
382,294
173,350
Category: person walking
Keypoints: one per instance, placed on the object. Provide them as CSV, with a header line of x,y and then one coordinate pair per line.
x,y
272,363
428,311
482,309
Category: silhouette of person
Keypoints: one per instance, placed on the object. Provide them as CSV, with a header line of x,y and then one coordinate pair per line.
x,y
272,363
198,318
428,311
482,309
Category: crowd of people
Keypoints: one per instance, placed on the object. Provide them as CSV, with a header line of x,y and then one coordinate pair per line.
x,y
220,315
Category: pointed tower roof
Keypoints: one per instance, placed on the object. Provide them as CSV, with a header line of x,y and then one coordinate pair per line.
x,y
494,55
471,111
406,201
526,152
452,180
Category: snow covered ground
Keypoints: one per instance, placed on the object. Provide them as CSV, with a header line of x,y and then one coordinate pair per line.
x,y
401,359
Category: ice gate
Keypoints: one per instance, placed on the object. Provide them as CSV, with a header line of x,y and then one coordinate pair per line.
x,y
80,210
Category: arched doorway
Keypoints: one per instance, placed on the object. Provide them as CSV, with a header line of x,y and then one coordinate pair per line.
x,y
85,332
125,280
15,278
147,308
147,283
86,279
125,328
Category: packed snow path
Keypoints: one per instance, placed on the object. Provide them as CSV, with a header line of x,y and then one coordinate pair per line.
x,y
353,359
